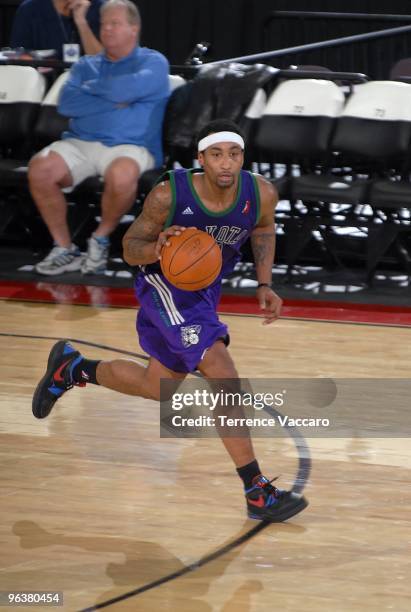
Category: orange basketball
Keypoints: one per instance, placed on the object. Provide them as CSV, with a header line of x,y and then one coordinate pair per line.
x,y
192,261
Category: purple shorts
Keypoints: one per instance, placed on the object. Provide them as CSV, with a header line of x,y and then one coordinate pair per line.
x,y
174,326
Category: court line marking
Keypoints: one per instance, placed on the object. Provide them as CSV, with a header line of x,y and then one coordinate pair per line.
x,y
308,320
185,570
303,473
220,312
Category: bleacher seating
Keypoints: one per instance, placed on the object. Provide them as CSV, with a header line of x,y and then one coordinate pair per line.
x,y
372,139
22,90
296,130
346,158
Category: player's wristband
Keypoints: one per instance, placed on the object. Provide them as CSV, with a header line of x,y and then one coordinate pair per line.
x,y
263,285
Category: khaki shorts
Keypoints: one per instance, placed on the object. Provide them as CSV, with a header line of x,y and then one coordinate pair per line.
x,y
85,159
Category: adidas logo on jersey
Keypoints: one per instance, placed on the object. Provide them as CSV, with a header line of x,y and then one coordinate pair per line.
x,y
187,211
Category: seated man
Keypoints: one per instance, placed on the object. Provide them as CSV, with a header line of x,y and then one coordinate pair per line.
x,y
116,101
51,24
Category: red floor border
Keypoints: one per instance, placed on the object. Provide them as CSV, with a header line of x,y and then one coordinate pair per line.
x,y
230,303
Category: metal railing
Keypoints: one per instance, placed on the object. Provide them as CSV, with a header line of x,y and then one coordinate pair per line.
x,y
375,56
334,42
323,15
334,15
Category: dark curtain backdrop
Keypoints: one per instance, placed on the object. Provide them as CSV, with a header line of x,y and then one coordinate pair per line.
x,y
235,27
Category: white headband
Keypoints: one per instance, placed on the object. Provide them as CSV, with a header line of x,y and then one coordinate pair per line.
x,y
212,139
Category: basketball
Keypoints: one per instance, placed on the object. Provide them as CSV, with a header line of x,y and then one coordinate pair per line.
x,y
192,261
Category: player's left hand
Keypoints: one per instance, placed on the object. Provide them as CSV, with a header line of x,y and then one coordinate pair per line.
x,y
271,303
162,240
79,10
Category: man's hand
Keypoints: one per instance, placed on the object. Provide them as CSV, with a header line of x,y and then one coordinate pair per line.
x,y
173,230
79,10
270,302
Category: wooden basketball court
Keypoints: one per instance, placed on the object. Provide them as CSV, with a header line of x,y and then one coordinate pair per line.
x,y
96,505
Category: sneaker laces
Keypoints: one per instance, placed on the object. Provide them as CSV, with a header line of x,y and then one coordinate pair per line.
x,y
57,251
69,383
263,483
60,254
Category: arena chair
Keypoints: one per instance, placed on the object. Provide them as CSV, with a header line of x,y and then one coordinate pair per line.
x,y
296,130
249,124
21,92
390,192
175,81
298,121
50,123
45,127
250,121
391,201
372,137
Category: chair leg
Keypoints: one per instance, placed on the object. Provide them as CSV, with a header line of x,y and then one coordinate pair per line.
x,y
298,234
380,238
403,255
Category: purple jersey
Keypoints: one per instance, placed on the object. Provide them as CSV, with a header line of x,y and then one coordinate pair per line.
x,y
231,228
175,326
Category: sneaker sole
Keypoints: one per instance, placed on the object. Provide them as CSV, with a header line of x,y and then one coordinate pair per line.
x,y
286,512
43,385
73,267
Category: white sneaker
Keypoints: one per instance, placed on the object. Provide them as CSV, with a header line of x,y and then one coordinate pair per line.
x,y
95,262
60,260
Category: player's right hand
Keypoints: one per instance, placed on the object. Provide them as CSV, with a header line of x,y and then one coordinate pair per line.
x,y
162,240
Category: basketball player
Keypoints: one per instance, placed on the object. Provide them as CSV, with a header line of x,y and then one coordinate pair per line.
x,y
180,330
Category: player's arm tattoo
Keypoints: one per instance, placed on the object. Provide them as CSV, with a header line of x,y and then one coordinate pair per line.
x,y
262,244
263,235
141,237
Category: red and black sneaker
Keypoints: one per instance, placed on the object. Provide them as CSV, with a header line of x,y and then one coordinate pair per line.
x,y
267,503
58,378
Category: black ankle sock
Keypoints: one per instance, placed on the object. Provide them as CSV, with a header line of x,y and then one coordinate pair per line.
x,y
248,472
85,371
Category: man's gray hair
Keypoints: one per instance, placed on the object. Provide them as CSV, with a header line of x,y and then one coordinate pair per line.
x,y
133,14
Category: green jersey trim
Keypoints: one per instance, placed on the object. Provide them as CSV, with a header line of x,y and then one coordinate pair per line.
x,y
257,197
172,210
204,207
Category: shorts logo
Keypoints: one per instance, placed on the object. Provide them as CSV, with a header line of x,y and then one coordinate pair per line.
x,y
190,335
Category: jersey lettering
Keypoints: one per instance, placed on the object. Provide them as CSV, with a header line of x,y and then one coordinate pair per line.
x,y
226,234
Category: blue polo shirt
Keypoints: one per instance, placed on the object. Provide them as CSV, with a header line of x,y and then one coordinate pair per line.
x,y
37,25
118,102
